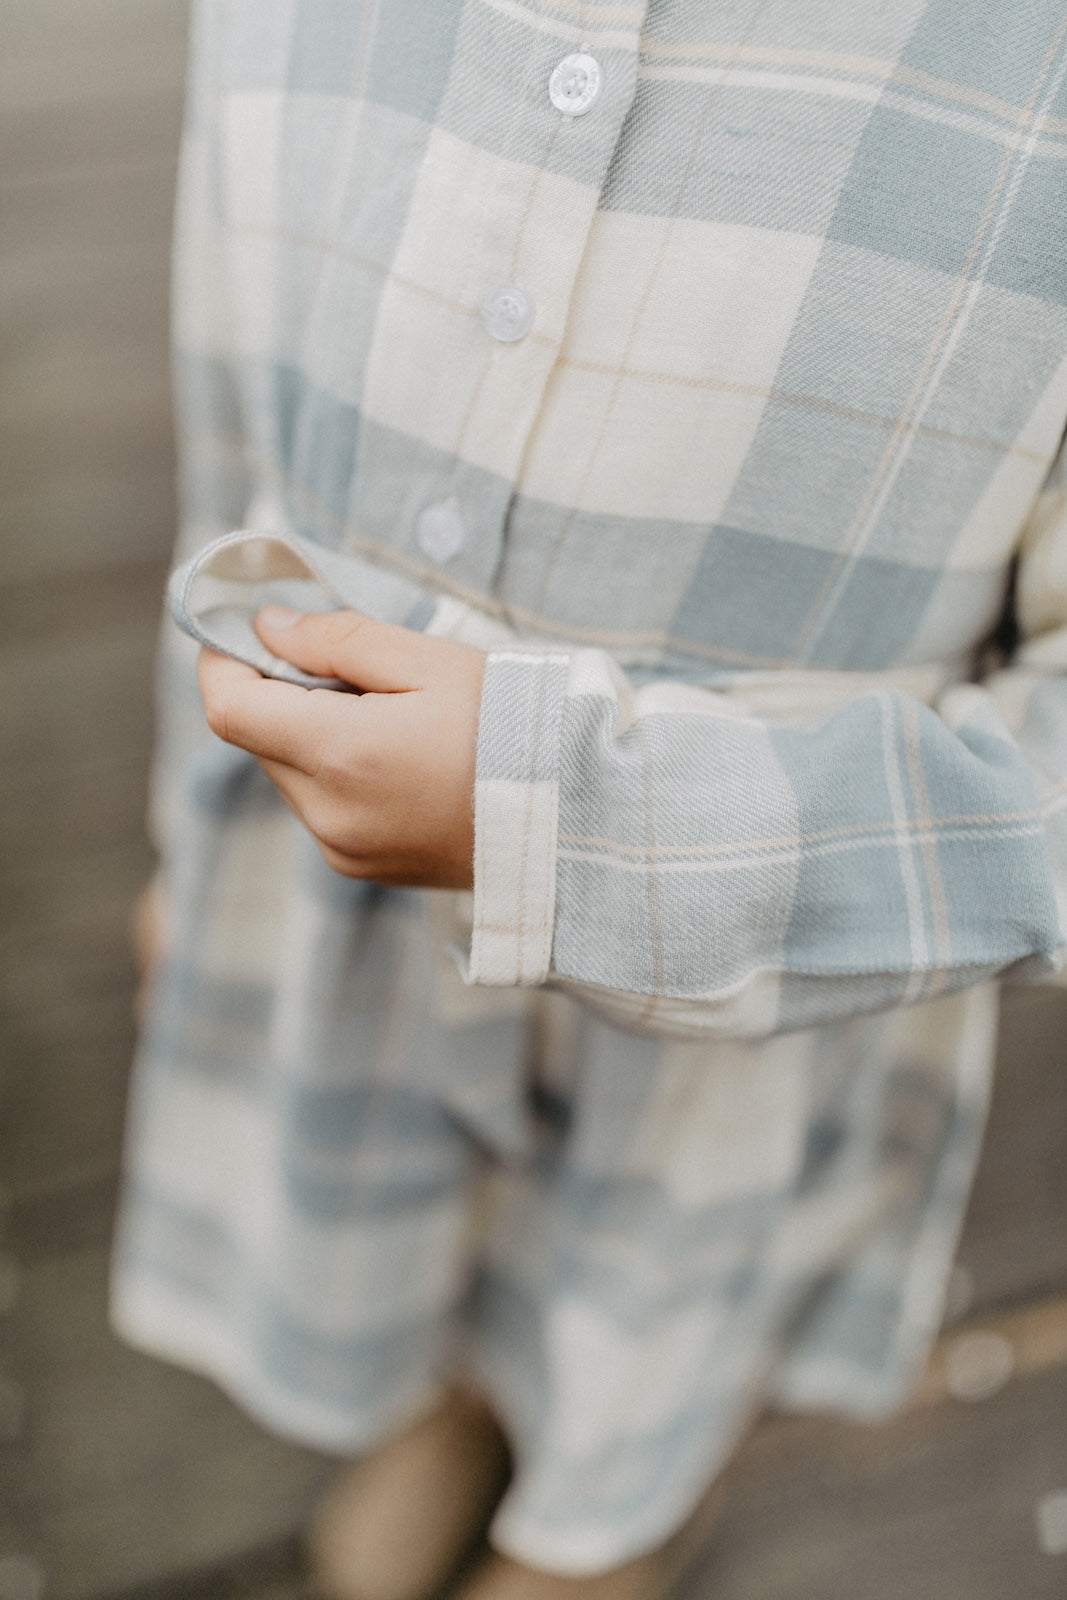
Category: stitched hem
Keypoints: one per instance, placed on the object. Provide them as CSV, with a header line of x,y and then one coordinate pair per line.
x,y
516,818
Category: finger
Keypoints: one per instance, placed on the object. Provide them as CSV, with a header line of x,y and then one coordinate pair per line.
x,y
378,656
267,718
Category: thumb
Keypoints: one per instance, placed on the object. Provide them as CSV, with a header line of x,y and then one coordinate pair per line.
x,y
378,656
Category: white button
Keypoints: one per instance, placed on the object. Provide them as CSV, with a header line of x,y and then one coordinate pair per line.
x,y
574,87
508,313
439,531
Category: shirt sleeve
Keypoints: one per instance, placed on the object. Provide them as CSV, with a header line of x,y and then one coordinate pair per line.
x,y
690,865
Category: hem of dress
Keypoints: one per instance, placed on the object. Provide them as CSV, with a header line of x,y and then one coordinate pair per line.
x,y
583,1556
592,1551
824,1386
167,1328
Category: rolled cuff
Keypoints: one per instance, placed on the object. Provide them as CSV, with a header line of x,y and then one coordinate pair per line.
x,y
516,817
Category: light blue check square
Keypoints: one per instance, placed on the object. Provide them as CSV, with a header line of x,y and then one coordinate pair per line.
x,y
920,191
411,53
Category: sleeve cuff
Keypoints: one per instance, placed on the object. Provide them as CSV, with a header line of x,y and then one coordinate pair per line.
x,y
516,817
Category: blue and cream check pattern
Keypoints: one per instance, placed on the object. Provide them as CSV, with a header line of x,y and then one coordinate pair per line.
x,y
739,516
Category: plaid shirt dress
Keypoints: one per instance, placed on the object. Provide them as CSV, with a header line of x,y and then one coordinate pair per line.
x,y
707,364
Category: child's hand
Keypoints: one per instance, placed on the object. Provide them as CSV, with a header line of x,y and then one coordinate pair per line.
x,y
383,780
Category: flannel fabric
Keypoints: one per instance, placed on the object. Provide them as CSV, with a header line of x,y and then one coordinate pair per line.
x,y
763,518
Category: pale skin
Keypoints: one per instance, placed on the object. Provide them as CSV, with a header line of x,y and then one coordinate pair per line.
x,y
383,780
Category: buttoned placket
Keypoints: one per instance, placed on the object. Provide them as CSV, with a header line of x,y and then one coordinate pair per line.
x,y
506,255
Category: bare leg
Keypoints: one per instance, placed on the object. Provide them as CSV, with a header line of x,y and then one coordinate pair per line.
x,y
398,1522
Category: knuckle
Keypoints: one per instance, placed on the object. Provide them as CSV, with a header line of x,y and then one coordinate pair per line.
x,y
348,626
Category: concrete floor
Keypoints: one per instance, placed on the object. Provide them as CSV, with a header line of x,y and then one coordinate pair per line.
x,y
119,1476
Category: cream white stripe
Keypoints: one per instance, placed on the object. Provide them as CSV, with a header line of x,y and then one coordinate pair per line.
x,y
931,862
877,70
901,837
908,873
536,656
582,9
871,68
871,93
979,826
605,38
881,67
968,122
840,88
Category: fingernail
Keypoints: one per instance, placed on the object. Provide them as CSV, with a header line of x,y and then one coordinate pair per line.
x,y
279,616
